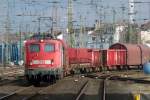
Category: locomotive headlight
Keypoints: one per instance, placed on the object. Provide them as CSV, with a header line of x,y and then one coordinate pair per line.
x,y
24,41
41,40
48,62
30,63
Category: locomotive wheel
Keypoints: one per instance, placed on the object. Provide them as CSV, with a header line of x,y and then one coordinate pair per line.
x,y
72,72
100,69
57,77
36,83
29,80
52,79
92,69
87,70
107,68
61,76
118,67
128,67
141,68
82,71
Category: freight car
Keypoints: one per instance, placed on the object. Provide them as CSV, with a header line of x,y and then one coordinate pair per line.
x,y
112,58
83,60
127,55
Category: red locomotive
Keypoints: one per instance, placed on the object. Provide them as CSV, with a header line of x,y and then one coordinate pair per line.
x,y
50,59
44,59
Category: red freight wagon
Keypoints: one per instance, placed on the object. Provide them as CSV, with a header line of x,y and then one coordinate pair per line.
x,y
113,57
145,53
96,58
133,53
72,55
79,55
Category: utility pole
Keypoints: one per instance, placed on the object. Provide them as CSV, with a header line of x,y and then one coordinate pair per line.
x,y
99,8
7,26
70,23
114,16
123,8
20,42
130,34
149,11
39,26
55,16
100,11
131,11
81,32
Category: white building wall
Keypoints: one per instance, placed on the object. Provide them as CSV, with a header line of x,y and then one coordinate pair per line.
x,y
145,37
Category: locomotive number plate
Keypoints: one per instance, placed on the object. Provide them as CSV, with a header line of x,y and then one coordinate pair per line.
x,y
41,62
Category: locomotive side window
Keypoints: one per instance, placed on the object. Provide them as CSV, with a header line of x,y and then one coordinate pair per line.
x,y
49,48
34,48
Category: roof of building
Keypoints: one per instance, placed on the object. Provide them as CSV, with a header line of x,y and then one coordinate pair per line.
x,y
146,26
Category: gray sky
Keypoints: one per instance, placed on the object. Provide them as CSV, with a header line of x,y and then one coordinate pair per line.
x,y
84,8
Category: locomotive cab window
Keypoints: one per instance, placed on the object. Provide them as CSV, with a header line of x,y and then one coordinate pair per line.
x,y
34,48
49,48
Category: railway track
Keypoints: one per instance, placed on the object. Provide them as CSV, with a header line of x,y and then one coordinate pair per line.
x,y
124,78
81,91
14,94
91,87
66,89
10,81
26,93
34,93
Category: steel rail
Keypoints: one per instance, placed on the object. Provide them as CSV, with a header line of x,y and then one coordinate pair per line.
x,y
82,90
14,93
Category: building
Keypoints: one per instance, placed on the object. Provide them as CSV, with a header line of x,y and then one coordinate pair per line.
x,y
101,37
145,37
145,33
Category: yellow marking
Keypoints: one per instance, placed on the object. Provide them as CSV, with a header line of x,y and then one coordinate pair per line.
x,y
137,97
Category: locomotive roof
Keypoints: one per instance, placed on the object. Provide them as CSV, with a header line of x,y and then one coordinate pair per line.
x,y
129,47
44,40
42,36
47,40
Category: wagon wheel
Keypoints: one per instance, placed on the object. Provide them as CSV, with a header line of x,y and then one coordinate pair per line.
x,y
61,75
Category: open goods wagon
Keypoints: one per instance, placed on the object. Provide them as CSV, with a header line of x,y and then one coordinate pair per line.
x,y
83,58
79,55
113,57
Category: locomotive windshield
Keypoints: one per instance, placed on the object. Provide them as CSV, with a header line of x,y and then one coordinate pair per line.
x,y
49,48
34,48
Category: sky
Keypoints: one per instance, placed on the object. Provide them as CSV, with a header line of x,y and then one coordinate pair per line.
x,y
22,15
